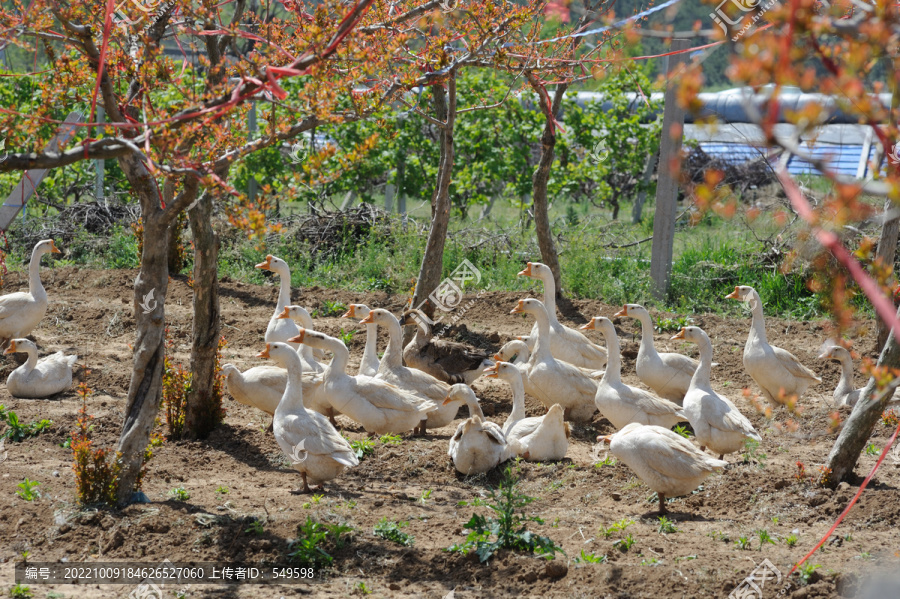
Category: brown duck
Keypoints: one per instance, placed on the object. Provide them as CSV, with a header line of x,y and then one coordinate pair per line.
x,y
445,360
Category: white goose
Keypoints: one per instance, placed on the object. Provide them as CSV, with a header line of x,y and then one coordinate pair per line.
x,y
478,444
316,450
716,421
566,344
37,379
262,387
422,384
300,315
379,407
844,394
539,438
368,366
777,371
550,380
623,404
20,312
668,374
666,462
280,329
516,352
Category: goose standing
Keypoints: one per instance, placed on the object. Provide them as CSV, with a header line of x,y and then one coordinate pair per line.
x,y
368,366
445,360
21,312
478,444
262,387
566,344
516,352
552,381
666,462
623,404
777,371
716,421
280,329
300,314
668,374
539,438
844,394
317,451
37,379
379,407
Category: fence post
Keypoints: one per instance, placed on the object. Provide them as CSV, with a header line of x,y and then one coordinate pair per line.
x,y
667,183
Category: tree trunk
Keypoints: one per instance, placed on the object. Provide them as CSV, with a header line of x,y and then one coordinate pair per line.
x,y
175,258
203,411
638,208
539,184
433,260
865,415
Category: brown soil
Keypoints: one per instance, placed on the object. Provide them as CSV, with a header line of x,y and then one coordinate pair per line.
x,y
91,315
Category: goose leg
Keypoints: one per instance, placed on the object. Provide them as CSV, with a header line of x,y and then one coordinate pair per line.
x,y
662,504
722,456
331,417
305,488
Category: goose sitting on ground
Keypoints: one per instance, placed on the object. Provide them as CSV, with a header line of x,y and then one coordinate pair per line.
x,y
422,384
445,360
21,312
379,407
316,450
368,365
844,393
623,404
777,372
668,374
666,462
262,387
37,379
717,422
300,315
478,444
552,381
539,438
280,329
566,344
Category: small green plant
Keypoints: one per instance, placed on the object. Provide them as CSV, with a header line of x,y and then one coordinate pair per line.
x,y
362,589
743,543
330,308
791,540
608,461
650,562
25,555
665,325
751,453
865,555
222,490
316,498
507,529
764,538
615,527
256,527
590,558
179,494
19,431
719,536
346,336
625,543
20,591
775,520
314,540
666,526
28,490
363,447
871,449
425,496
806,571
390,531
683,431
391,439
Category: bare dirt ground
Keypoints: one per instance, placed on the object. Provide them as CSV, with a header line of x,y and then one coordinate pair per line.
x,y
91,315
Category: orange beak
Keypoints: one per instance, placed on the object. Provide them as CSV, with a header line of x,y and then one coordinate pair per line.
x,y
491,372
520,307
678,335
264,353
447,400
350,313
588,327
622,312
527,271
825,354
604,439
298,338
267,264
12,347
497,358
369,319
53,247
736,294
285,314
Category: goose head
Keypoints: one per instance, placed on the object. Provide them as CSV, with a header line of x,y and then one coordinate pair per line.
x,y
356,311
276,265
746,294
311,338
298,314
460,392
632,311
691,334
511,350
835,352
529,306
47,246
21,346
379,316
599,323
536,270
281,353
502,370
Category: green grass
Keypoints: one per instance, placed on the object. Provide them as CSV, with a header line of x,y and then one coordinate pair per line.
x,y
391,531
315,540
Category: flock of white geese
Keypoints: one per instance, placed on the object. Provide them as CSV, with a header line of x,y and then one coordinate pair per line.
x,y
424,384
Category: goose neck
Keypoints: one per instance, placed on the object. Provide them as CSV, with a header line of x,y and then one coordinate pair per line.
x,y
613,372
371,340
393,354
35,287
758,326
646,333
32,360
284,290
474,406
292,400
550,295
518,402
701,375
341,356
845,384
542,343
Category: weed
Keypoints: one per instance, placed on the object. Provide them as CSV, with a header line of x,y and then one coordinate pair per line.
x,y
743,543
608,461
362,589
650,562
179,494
314,540
363,447
509,526
28,490
330,308
801,471
791,540
865,555
17,431
871,449
775,520
719,536
625,544
388,530
425,496
666,526
751,453
590,558
20,591
615,527
256,527
391,439
25,555
890,418
316,498
683,431
665,325
222,490
177,386
806,571
346,336
764,538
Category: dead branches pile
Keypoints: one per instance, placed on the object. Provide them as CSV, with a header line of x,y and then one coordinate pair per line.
x,y
740,176
97,219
